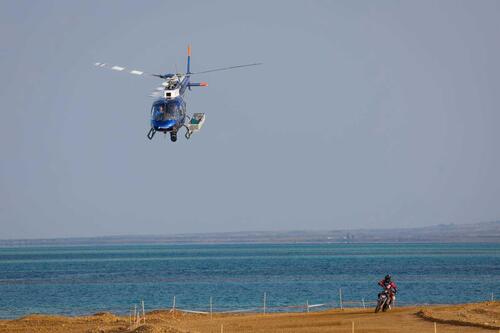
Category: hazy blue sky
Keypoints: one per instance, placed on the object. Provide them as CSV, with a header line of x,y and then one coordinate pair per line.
x,y
364,114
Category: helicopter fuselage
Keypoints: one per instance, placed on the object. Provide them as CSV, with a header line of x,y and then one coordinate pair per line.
x,y
168,114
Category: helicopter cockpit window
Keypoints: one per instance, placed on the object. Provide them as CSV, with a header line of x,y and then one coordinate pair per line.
x,y
164,111
157,111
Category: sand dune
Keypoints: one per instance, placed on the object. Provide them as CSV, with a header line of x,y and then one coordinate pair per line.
x,y
479,317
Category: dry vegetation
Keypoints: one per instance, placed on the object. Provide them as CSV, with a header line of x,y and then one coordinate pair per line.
x,y
481,317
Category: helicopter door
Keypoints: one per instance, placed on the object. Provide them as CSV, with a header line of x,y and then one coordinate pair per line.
x,y
158,111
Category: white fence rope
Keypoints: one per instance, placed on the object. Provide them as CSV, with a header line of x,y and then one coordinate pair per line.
x,y
240,310
192,311
340,304
283,308
305,307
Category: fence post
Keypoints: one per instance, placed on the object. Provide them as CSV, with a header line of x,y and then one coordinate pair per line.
x,y
352,326
435,327
340,299
173,304
135,314
363,301
221,328
307,306
265,296
143,313
492,298
211,307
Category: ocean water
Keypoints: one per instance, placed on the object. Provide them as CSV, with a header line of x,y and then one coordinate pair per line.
x,y
87,279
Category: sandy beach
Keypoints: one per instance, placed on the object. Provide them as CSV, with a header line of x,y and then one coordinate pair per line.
x,y
478,317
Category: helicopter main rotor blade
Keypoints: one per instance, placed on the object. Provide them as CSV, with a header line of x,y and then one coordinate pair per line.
x,y
226,68
125,70
156,94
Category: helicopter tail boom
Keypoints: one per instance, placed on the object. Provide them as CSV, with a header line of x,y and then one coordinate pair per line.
x,y
200,84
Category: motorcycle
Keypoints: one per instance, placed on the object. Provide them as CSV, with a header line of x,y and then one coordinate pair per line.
x,y
385,300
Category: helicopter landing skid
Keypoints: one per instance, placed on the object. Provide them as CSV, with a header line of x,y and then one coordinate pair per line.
x,y
188,132
151,133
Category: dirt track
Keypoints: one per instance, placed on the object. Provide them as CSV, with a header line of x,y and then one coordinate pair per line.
x,y
409,319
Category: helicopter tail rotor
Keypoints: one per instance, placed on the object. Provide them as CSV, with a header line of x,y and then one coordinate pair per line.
x,y
189,60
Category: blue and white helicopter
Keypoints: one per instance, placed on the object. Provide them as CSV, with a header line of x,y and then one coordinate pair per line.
x,y
168,112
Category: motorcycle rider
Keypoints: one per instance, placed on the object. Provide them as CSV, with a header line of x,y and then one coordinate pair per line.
x,y
389,285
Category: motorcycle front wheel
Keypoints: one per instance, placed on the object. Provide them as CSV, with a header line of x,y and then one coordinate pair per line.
x,y
379,306
386,306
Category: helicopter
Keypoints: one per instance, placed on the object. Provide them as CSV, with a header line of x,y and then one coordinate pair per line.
x,y
169,110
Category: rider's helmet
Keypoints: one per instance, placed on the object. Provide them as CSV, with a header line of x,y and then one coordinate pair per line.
x,y
387,278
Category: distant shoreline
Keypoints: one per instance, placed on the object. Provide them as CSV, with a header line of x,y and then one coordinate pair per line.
x,y
145,243
483,232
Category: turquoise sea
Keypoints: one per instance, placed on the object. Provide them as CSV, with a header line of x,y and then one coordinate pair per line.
x,y
87,279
